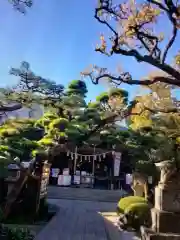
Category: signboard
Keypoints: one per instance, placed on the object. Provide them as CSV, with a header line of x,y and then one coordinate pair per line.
x,y
55,172
117,162
44,180
43,187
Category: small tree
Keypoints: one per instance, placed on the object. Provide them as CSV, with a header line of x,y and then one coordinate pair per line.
x,y
21,5
69,103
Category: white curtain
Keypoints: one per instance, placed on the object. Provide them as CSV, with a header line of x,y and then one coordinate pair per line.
x,y
117,163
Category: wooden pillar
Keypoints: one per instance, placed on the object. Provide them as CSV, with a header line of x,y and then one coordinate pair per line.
x,y
75,160
93,166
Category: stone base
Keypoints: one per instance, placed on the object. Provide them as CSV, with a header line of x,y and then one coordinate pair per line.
x,y
165,222
149,234
167,198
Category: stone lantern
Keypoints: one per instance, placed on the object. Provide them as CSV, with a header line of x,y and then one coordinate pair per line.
x,y
166,212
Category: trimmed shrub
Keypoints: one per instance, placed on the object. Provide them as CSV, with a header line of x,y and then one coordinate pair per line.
x,y
127,201
139,209
138,214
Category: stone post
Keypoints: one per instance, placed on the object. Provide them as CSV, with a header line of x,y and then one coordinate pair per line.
x,y
166,212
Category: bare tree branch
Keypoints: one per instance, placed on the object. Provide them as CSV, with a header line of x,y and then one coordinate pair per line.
x,y
148,59
96,75
169,9
153,58
171,41
159,4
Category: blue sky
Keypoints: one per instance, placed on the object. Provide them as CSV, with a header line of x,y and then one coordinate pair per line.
x,y
57,37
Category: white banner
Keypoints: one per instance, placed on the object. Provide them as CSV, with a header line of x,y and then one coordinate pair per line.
x,y
129,179
150,179
117,162
54,172
77,179
60,180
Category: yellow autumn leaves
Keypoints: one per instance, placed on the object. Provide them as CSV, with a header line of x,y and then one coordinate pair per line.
x,y
177,59
140,122
140,118
138,16
133,17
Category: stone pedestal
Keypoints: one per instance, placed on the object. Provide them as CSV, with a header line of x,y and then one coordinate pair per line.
x,y
165,214
149,234
164,222
167,198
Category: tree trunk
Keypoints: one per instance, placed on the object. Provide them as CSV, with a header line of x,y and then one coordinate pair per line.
x,y
3,190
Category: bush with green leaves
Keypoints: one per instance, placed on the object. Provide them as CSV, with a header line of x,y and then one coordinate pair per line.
x,y
8,233
19,137
138,214
125,202
134,211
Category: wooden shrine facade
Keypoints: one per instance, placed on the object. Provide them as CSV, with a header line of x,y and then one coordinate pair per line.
x,y
95,164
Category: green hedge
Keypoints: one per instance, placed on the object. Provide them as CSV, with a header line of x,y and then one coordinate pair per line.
x,y
127,201
139,209
138,214
134,211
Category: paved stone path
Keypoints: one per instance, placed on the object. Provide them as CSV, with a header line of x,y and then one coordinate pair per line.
x,y
85,194
83,220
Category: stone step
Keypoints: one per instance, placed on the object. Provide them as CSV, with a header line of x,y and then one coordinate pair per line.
x,y
148,234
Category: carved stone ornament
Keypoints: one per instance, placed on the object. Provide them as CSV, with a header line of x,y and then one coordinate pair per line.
x,y
168,171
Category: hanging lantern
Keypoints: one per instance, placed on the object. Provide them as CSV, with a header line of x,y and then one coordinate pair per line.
x,y
85,157
104,155
95,157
